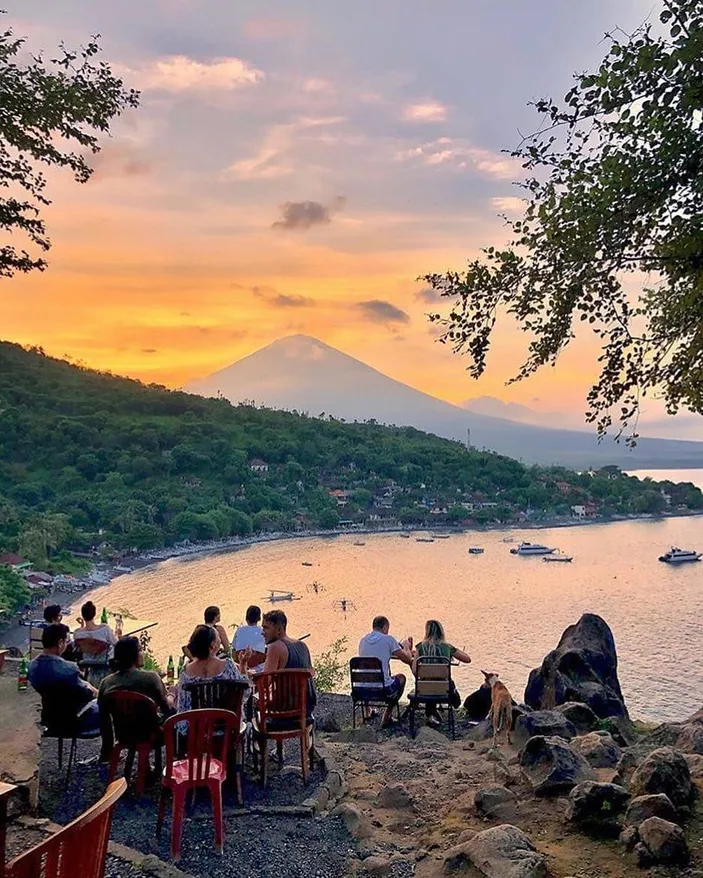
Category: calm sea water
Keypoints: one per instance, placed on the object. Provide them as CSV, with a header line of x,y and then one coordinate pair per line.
x,y
507,611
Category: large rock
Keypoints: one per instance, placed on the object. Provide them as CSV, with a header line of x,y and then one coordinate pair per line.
x,y
580,715
596,806
644,807
598,749
361,735
690,739
354,819
664,842
505,852
583,667
494,801
549,723
395,795
552,767
664,771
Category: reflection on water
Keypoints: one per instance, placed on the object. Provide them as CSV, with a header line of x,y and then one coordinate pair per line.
x,y
507,611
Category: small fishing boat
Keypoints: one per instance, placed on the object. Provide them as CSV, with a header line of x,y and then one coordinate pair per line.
x,y
531,549
424,539
558,556
404,536
359,543
307,563
441,536
508,539
679,556
275,596
476,550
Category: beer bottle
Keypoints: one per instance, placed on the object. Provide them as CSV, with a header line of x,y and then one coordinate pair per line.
x,y
181,665
103,616
22,677
170,671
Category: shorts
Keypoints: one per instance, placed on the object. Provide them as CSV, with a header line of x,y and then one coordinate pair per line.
x,y
394,689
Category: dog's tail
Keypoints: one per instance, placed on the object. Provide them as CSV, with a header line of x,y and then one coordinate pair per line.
x,y
505,715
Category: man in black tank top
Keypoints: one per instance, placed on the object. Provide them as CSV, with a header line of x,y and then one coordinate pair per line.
x,y
284,652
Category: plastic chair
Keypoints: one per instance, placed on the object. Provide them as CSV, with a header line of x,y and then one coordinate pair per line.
x,y
137,729
78,849
224,695
209,732
368,686
94,663
283,714
59,720
433,687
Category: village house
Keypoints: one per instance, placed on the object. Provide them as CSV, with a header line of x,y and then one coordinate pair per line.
x,y
342,497
578,511
15,562
258,466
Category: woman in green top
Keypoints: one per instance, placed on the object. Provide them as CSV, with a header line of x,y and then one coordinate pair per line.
x,y
435,646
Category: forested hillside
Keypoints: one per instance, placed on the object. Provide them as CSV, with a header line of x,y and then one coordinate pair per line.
x,y
90,459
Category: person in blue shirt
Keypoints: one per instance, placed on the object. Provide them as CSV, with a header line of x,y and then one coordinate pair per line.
x,y
68,701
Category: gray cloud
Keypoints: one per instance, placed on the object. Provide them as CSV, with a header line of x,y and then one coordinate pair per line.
x,y
285,301
428,296
379,311
301,215
149,351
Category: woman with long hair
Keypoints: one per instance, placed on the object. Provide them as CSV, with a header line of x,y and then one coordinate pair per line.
x,y
435,647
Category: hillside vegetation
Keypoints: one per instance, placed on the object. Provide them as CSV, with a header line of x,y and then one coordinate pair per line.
x,y
90,459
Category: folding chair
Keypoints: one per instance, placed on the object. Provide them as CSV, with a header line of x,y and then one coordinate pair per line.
x,y
433,687
368,686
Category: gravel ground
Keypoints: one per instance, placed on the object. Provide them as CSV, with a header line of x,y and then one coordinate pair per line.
x,y
115,868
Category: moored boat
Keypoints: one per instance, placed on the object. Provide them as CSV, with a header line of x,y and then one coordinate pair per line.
x,y
440,536
424,539
531,549
476,550
679,556
556,555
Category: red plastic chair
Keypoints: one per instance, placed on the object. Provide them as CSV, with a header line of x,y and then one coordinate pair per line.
x,y
136,726
209,733
78,849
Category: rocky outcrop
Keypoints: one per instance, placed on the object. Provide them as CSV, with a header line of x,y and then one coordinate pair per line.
x,y
552,767
598,749
395,795
664,771
505,852
661,842
596,806
494,801
644,807
690,738
354,819
579,715
549,723
583,668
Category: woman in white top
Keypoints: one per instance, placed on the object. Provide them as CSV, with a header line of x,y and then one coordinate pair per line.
x,y
90,629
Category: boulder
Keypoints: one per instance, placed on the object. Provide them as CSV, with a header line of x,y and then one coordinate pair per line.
x,y
362,735
427,736
690,739
644,807
552,767
664,841
629,837
695,765
580,715
505,852
378,866
549,723
598,749
583,668
664,771
326,722
596,806
494,801
395,795
456,858
356,822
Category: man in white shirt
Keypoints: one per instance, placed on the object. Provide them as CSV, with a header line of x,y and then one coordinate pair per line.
x,y
250,634
379,644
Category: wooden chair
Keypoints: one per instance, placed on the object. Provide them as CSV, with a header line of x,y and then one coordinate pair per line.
x,y
6,790
94,662
59,720
224,695
78,849
36,647
255,659
209,733
283,714
433,687
368,686
137,729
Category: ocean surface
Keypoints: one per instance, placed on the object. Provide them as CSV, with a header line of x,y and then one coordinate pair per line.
x,y
506,611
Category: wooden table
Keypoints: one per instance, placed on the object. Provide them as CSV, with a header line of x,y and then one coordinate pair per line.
x,y
6,790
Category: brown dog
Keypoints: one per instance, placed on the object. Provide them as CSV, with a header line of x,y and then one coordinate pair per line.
x,y
501,714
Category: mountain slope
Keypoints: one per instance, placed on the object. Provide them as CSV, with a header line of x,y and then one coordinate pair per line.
x,y
304,374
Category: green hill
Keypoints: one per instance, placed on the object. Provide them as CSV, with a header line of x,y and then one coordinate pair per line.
x,y
90,459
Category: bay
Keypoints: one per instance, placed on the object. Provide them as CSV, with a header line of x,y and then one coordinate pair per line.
x,y
507,611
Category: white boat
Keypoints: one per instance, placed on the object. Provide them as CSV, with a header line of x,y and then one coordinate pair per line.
x,y
122,568
476,550
424,539
508,540
679,556
531,549
558,556
276,596
441,536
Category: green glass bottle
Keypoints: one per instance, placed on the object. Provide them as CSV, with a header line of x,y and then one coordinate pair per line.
x,y
22,676
181,665
170,671
103,616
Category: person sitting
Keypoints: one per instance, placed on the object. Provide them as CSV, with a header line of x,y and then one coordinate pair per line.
x,y
203,646
379,644
212,618
65,694
92,630
130,676
283,652
250,635
53,614
435,648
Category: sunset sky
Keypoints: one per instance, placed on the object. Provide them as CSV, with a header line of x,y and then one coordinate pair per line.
x,y
292,168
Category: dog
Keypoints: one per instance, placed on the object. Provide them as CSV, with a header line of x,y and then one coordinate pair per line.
x,y
501,714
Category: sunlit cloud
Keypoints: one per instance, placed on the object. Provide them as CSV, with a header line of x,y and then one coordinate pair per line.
x,y
461,155
429,111
264,29
509,204
178,73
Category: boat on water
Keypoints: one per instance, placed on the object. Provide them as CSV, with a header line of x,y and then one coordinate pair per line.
x,y
424,539
307,563
476,550
276,596
123,568
508,540
359,543
679,556
441,536
556,555
404,536
531,549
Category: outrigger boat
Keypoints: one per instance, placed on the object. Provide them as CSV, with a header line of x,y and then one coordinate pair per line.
x,y
476,550
441,536
424,539
277,595
307,563
558,556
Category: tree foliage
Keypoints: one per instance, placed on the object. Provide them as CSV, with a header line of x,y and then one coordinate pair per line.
x,y
51,114
614,200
